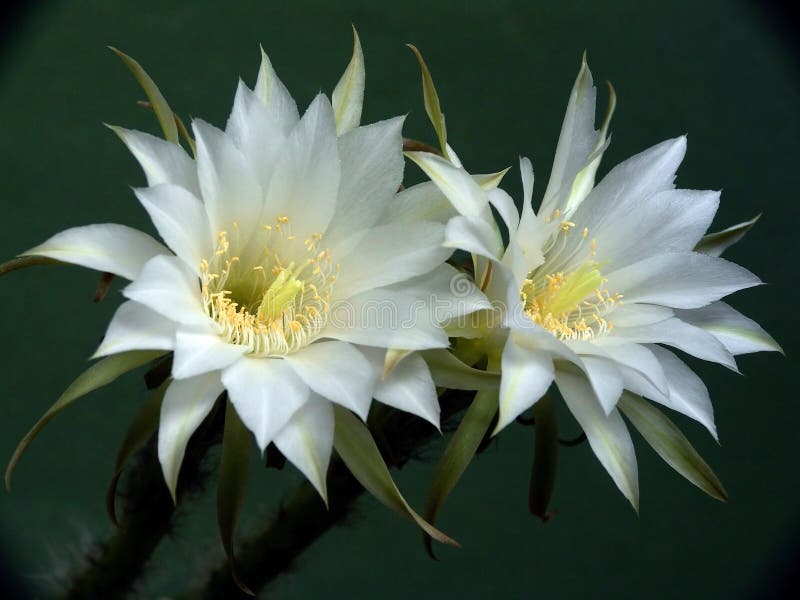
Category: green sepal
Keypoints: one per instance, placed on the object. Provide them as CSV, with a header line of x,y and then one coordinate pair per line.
x,y
545,458
458,454
357,449
23,262
98,375
233,473
348,96
144,425
431,98
163,112
449,371
671,445
714,244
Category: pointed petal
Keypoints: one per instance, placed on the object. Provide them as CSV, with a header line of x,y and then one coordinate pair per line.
x,y
671,445
473,235
161,161
198,352
271,91
607,434
337,371
714,244
468,198
136,327
307,440
606,381
167,286
527,375
181,221
410,388
110,248
737,333
266,393
390,253
186,403
348,96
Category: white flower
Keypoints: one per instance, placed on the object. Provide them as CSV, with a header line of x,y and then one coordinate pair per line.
x,y
279,270
596,283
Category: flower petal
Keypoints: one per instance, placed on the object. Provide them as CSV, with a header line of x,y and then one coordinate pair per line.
x,y
271,91
606,381
161,161
409,387
737,333
455,183
110,248
198,352
185,405
136,327
526,376
337,371
473,235
266,393
348,96
167,286
307,440
181,221
607,434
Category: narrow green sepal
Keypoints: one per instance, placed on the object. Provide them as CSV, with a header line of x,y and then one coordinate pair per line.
x,y
233,473
98,375
431,99
144,425
357,449
545,458
163,112
458,454
714,244
671,445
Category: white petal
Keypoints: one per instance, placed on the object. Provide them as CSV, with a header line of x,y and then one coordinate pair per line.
x,y
161,161
526,376
606,381
256,132
636,357
348,97
421,202
607,434
266,393
682,280
473,235
186,403
110,248
687,392
737,333
271,91
231,193
306,441
198,352
181,221
386,319
410,388
390,253
167,286
305,183
633,315
683,336
455,183
372,170
136,327
337,371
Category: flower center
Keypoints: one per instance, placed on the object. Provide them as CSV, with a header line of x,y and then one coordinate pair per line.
x,y
570,304
272,304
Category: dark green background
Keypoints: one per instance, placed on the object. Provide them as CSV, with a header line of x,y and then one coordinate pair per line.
x,y
718,70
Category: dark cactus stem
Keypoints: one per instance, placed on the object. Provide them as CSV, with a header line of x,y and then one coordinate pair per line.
x,y
113,568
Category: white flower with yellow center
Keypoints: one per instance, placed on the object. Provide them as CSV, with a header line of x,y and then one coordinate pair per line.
x,y
282,283
591,288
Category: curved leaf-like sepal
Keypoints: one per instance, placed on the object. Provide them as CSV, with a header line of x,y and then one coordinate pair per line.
x,y
348,96
714,244
545,458
99,374
144,424
357,449
431,98
671,445
163,112
23,262
449,372
233,471
458,454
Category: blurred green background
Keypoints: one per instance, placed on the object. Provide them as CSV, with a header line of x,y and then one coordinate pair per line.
x,y
725,72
